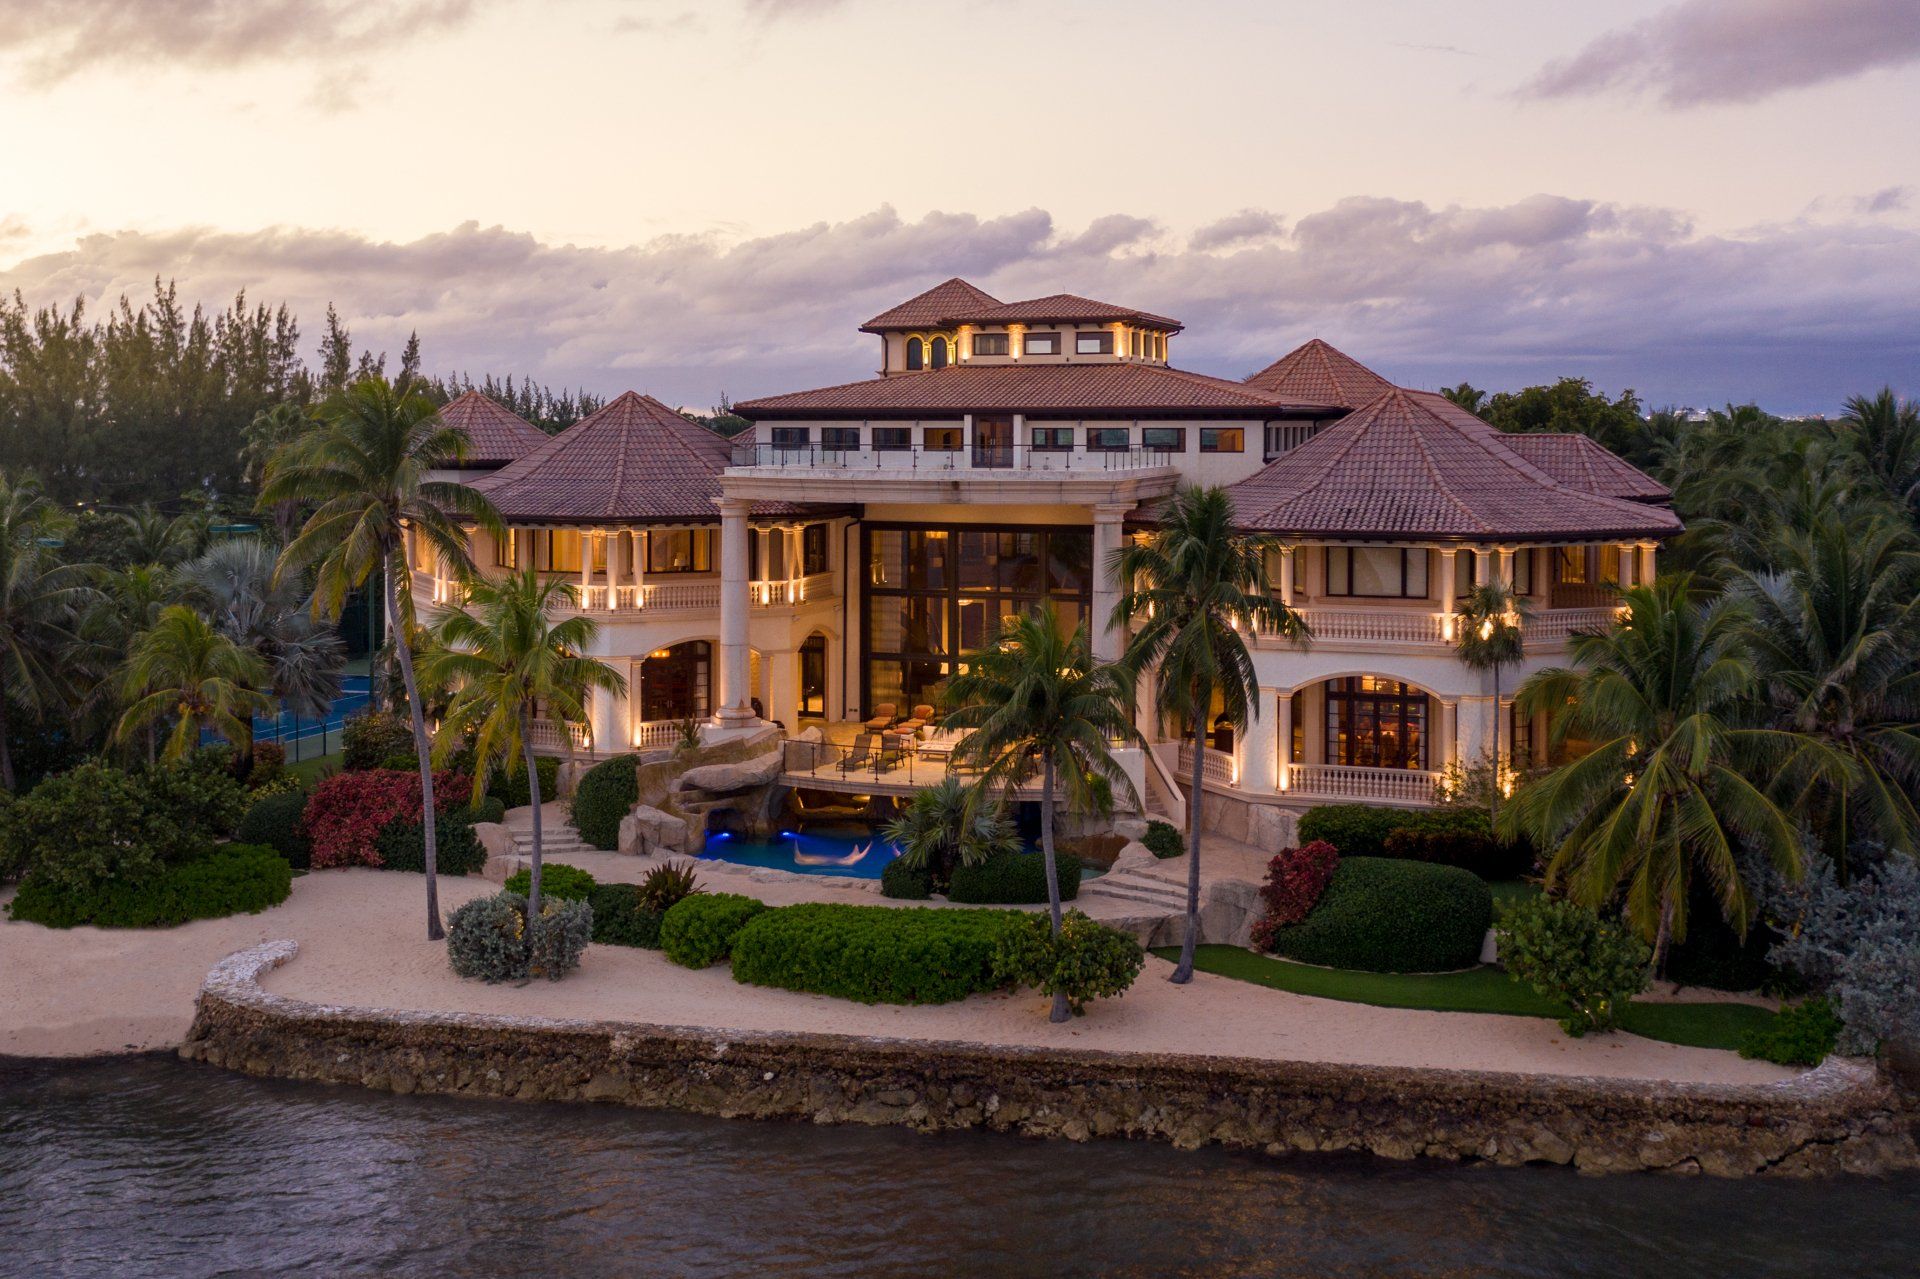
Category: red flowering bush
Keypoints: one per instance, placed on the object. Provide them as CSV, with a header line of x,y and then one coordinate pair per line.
x,y
346,813
1295,879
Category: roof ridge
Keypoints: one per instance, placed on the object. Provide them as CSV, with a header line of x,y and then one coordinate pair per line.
x,y
1427,459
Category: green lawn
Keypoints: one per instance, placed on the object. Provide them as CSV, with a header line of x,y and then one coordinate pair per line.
x,y
1478,990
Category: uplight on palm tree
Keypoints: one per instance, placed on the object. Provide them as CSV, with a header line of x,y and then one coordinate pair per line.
x,y
1036,702
503,659
365,469
1492,636
1198,589
1666,794
186,672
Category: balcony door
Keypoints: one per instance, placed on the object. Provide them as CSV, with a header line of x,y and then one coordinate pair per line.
x,y
993,442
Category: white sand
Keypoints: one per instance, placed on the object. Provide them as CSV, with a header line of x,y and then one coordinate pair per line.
x,y
362,942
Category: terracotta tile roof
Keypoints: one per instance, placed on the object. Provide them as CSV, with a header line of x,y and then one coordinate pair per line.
x,y
1580,462
495,435
930,309
1317,373
1399,468
1083,389
635,461
1063,308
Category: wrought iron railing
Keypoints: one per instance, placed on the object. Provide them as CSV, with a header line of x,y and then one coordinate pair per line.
x,y
918,458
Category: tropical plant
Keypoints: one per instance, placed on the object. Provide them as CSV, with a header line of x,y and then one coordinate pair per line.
x,y
366,469
504,658
186,672
1082,961
1834,627
1466,396
38,600
236,583
1857,943
1568,953
1492,636
1197,589
270,431
942,828
1036,701
1666,791
1882,434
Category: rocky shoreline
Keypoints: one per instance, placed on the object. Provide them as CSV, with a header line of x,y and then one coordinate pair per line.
x,y
1844,1117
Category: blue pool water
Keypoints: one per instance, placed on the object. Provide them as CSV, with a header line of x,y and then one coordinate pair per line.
x,y
853,851
356,691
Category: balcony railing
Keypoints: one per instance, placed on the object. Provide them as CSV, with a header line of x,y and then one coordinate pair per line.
x,y
556,737
1215,766
919,460
1423,627
659,597
1339,781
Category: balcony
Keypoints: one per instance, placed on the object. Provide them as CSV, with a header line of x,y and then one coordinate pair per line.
x,y
908,462
1433,628
1406,786
655,598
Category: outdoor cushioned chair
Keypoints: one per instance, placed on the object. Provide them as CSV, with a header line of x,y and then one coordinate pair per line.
x,y
882,717
863,755
921,717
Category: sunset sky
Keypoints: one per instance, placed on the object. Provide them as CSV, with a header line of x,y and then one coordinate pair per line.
x,y
1705,200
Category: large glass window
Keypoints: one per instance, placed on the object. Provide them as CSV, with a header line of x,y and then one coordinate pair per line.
x,y
814,548
813,675
1376,723
1169,439
916,355
892,438
680,550
1100,343
1042,344
939,359
1053,439
1110,439
1223,439
989,344
935,594
1377,572
675,683
944,439
840,437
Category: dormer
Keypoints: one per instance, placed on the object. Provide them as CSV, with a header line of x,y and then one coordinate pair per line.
x,y
957,324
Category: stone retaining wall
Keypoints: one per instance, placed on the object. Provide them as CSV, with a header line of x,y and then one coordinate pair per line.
x,y
1839,1118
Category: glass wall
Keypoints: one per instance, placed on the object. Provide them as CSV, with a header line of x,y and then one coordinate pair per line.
x,y
1376,723
676,683
932,594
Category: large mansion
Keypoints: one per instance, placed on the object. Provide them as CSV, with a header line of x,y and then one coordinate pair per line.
x,y
839,557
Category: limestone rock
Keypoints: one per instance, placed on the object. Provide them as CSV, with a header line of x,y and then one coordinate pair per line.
x,y
812,733
728,778
1271,829
1135,856
1133,828
647,830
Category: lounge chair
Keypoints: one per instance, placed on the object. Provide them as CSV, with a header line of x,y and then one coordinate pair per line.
x,y
882,717
863,754
921,717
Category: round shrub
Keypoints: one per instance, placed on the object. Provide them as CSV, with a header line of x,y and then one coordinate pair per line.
x,y
489,809
569,883
402,845
1569,953
369,740
487,938
1016,879
607,793
1460,837
619,919
908,883
274,820
1164,840
1296,880
1087,961
227,880
1801,1034
348,812
1389,916
699,931
513,790
873,954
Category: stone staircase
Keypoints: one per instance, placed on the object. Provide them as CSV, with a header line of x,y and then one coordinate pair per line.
x,y
1136,891
557,839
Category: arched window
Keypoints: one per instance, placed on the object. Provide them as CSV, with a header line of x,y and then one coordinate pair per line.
x,y
675,682
915,356
939,353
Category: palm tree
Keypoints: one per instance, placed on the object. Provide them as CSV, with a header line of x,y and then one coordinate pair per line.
x,y
1198,589
504,658
942,827
365,466
1665,793
39,598
1834,627
1491,636
154,537
1035,700
125,604
270,431
1884,438
1466,396
238,585
186,670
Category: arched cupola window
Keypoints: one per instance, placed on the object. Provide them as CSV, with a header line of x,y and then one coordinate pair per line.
x,y
939,360
915,354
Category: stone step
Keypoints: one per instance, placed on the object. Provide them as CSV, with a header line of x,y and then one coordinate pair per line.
x,y
1142,889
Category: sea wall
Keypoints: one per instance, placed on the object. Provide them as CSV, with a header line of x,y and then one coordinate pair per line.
x,y
1842,1117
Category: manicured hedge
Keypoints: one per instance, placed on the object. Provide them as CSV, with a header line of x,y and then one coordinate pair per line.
x,y
904,882
226,880
369,740
1447,836
1016,879
619,920
274,821
514,791
402,845
1390,916
607,793
874,954
700,930
1164,840
489,809
569,883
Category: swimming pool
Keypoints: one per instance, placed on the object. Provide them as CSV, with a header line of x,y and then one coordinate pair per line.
x,y
850,850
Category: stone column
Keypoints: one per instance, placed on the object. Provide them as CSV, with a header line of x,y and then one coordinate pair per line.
x,y
734,710
642,544
1444,750
1107,537
1629,556
586,564
1286,576
1503,567
1257,750
1648,572
608,714
783,687
1283,738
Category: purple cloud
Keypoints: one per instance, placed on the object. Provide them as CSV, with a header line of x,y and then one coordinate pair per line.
x,y
1799,315
1245,227
1711,51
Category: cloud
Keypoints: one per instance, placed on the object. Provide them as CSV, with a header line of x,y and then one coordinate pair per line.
x,y
1244,227
58,38
1885,200
1798,315
1715,51
774,9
